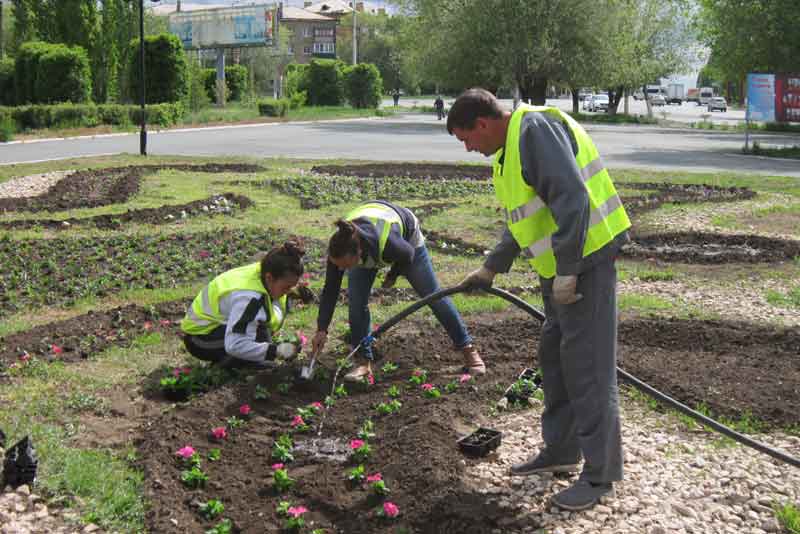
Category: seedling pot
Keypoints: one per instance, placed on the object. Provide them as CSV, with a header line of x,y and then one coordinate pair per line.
x,y
481,442
176,395
526,392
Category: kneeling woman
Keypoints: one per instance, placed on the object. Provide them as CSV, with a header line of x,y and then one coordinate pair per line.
x,y
233,320
372,236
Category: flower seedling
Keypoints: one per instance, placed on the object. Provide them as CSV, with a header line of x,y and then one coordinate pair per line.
x,y
418,377
431,391
329,401
340,391
223,527
219,433
283,388
389,368
343,363
316,406
214,455
368,380
361,450
188,456
212,509
245,410
451,387
389,510
282,449
394,391
306,413
377,485
366,430
56,350
356,474
466,377
234,422
194,478
261,393
293,515
281,479
388,408
299,424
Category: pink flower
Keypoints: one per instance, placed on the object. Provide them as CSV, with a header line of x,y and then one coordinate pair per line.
x,y
297,421
371,379
185,452
244,409
304,281
296,511
56,349
275,467
466,377
219,432
390,509
204,254
148,325
427,387
374,478
316,405
186,370
418,372
177,371
306,276
375,327
25,357
302,338
165,322
356,444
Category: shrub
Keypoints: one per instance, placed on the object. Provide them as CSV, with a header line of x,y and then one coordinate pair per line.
x,y
32,117
166,114
236,81
63,75
7,125
25,69
271,107
115,114
296,81
325,82
73,116
7,89
298,99
363,85
210,84
197,97
166,64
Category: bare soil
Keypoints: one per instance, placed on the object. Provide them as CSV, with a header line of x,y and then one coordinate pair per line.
x,y
417,171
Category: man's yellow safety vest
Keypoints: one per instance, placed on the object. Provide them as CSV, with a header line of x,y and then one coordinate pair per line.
x,y
530,221
204,316
384,219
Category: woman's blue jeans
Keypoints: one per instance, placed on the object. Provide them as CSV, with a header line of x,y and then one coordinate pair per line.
x,y
423,280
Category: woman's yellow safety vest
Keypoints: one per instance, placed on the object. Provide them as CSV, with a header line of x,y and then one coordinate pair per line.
x,y
204,316
384,219
530,221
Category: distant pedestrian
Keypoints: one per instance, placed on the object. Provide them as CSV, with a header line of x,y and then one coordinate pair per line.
x,y
438,105
396,97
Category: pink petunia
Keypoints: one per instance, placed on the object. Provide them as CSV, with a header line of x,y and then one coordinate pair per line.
x,y
371,379
148,325
303,339
185,452
390,509
296,511
375,327
374,478
165,322
204,254
417,372
244,409
275,467
219,432
56,349
297,421
466,377
427,387
177,371
356,444
25,357
186,370
316,405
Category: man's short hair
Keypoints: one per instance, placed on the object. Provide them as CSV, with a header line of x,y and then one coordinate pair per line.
x,y
471,105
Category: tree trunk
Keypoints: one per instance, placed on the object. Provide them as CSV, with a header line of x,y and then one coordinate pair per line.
x,y
627,99
614,98
575,100
539,91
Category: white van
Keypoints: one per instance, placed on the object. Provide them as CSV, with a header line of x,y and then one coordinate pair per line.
x,y
706,94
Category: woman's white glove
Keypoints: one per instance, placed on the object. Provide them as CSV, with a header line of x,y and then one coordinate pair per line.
x,y
286,351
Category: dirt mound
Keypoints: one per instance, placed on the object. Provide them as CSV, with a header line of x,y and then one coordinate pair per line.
x,y
680,194
100,187
217,204
416,171
697,247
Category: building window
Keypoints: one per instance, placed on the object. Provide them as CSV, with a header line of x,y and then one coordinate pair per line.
x,y
307,50
324,48
307,31
323,32
291,49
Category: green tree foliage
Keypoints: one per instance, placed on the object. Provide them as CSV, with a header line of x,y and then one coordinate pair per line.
x,y
325,82
167,79
363,85
751,36
63,75
236,80
25,70
7,89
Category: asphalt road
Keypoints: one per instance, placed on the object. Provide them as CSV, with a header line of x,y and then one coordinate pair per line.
x,y
411,137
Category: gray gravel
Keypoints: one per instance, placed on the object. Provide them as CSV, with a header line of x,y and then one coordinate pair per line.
x,y
32,185
24,512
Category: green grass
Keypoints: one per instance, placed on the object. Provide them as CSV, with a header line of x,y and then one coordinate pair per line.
x,y
312,113
789,517
646,304
791,299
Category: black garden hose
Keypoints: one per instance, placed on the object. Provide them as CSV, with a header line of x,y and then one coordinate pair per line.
x,y
638,384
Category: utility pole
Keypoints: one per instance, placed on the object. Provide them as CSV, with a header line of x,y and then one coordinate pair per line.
x,y
142,94
178,9
355,38
1,29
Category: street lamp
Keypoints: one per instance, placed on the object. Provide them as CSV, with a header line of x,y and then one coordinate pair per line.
x,y
143,131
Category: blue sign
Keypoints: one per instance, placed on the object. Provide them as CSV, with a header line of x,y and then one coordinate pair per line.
x,y
761,97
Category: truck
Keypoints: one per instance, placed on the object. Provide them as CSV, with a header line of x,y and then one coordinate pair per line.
x,y
693,95
675,94
706,94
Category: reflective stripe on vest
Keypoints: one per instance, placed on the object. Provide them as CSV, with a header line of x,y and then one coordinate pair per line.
x,y
384,219
530,221
204,315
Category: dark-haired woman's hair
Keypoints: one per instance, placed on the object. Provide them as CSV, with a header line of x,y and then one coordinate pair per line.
x,y
283,260
345,241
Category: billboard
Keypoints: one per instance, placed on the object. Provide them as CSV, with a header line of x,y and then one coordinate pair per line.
x,y
226,27
773,97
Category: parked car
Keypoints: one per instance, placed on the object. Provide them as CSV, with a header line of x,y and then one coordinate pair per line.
x,y
599,103
585,101
717,102
638,95
657,100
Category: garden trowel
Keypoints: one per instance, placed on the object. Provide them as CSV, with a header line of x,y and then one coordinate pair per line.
x,y
307,371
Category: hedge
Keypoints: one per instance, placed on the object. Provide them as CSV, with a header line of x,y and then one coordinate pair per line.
x,y
63,75
235,82
25,69
40,116
167,71
7,89
325,82
271,107
363,85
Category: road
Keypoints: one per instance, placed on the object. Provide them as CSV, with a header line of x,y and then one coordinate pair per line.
x,y
410,137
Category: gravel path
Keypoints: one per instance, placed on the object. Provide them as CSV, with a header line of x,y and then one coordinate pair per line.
x,y
30,186
23,512
677,481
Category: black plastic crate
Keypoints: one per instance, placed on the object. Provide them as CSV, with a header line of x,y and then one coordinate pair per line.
x,y
481,442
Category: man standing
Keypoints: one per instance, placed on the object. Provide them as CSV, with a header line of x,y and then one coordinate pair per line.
x,y
565,217
438,105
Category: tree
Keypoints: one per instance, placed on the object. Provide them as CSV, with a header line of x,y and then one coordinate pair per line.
x,y
166,63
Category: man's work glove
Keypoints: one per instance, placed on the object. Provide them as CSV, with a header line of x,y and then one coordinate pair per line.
x,y
480,278
286,351
564,287
389,281
318,342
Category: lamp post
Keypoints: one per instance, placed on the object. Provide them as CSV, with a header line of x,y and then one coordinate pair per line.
x,y
143,131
